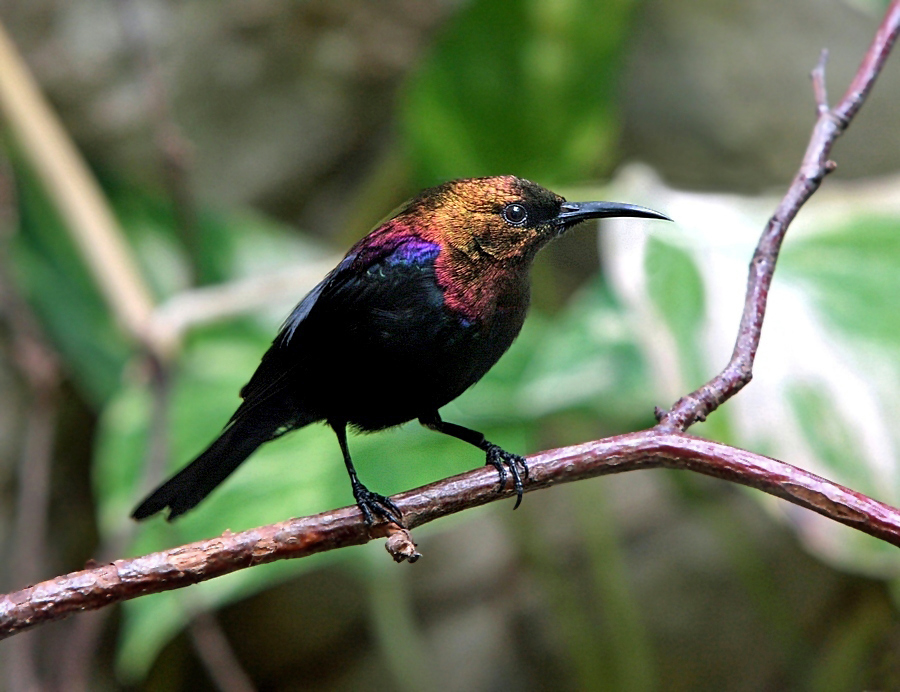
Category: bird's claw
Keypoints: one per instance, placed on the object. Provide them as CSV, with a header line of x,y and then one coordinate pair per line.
x,y
374,505
502,460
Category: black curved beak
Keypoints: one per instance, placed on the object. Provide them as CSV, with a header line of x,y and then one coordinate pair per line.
x,y
572,213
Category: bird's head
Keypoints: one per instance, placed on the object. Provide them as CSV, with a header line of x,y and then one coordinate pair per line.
x,y
504,217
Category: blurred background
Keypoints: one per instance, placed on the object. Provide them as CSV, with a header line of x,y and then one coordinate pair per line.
x,y
243,145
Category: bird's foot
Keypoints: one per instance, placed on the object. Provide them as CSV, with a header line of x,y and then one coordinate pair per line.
x,y
502,460
374,505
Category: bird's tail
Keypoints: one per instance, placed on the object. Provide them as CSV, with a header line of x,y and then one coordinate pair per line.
x,y
195,481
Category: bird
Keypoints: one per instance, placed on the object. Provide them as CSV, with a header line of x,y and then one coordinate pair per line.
x,y
415,313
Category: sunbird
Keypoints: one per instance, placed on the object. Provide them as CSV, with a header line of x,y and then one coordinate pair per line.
x,y
416,313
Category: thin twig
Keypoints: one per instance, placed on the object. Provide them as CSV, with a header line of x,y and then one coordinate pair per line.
x,y
871,65
664,446
188,564
830,124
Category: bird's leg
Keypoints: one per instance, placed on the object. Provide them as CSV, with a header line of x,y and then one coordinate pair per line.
x,y
369,503
496,456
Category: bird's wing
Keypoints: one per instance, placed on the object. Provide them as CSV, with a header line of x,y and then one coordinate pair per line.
x,y
273,373
332,294
301,311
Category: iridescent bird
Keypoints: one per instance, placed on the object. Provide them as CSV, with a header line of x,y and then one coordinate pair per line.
x,y
416,313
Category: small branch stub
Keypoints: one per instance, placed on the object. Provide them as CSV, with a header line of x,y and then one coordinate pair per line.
x,y
121,580
830,124
400,544
663,446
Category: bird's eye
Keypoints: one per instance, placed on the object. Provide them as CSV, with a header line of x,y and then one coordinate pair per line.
x,y
515,214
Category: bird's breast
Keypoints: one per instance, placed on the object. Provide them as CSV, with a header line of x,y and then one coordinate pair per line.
x,y
481,289
402,348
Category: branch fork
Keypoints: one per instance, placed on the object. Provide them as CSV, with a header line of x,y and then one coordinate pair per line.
x,y
665,445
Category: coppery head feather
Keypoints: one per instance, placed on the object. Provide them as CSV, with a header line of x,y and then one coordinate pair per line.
x,y
488,231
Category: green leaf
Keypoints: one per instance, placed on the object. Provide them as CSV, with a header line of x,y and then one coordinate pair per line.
x,y
675,286
588,358
523,86
826,386
851,273
52,276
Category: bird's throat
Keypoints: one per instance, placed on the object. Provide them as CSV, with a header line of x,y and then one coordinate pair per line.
x,y
482,289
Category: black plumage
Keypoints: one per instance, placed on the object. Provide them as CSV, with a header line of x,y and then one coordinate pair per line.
x,y
416,313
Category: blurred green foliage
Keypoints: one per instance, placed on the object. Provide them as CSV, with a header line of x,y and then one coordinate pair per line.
x,y
675,287
519,86
851,273
512,86
51,274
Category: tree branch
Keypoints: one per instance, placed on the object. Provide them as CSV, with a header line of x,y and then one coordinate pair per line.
x,y
830,124
121,580
664,446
